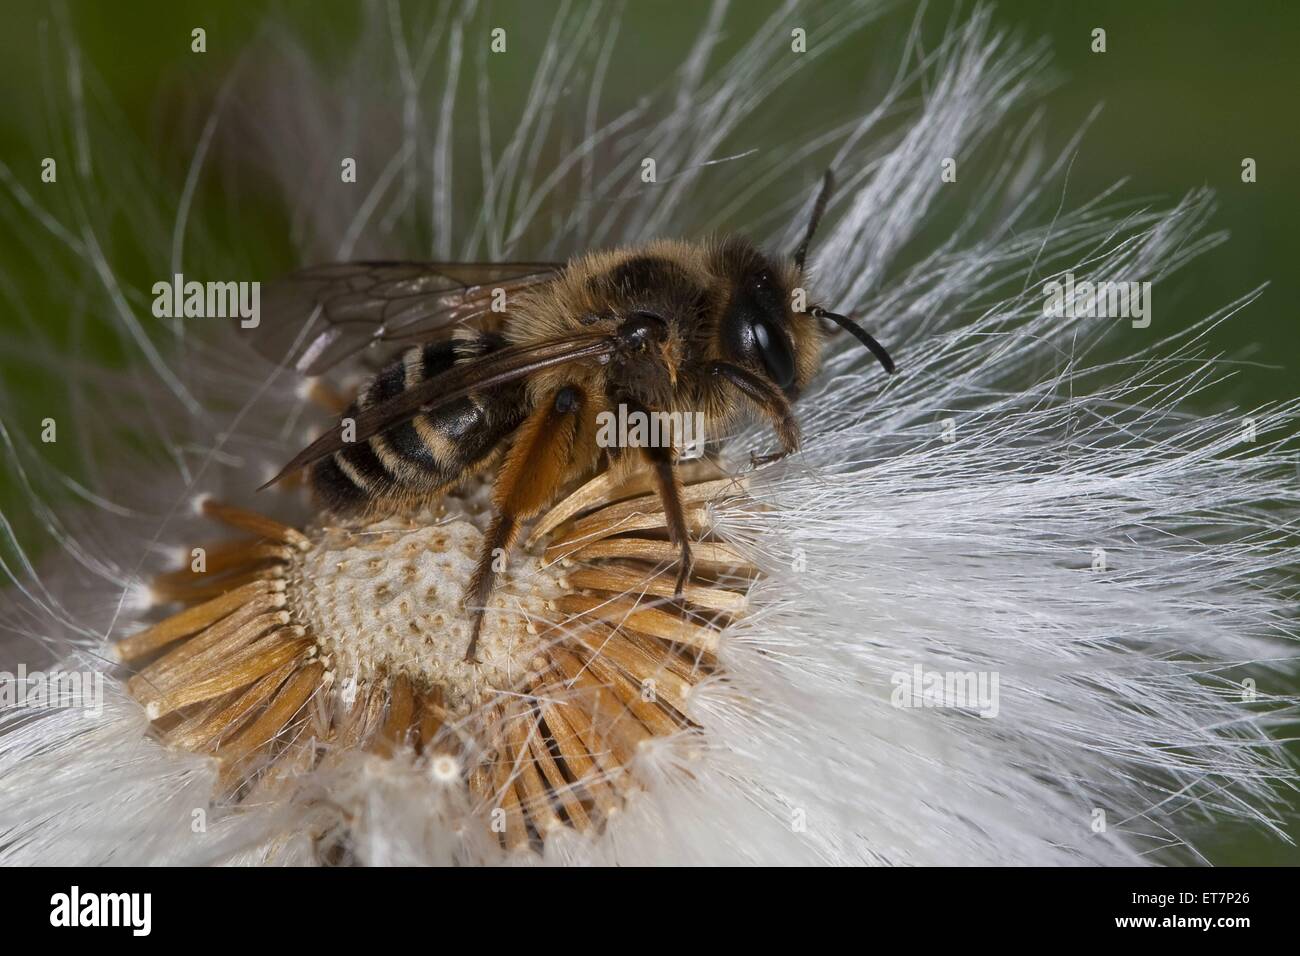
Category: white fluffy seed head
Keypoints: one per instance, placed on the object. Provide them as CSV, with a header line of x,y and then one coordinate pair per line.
x,y
1121,688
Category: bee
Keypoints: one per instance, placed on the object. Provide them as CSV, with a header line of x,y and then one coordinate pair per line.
x,y
522,358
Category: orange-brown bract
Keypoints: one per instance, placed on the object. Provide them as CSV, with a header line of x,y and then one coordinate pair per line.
x,y
714,328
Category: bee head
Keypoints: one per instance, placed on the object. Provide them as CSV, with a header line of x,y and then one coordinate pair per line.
x,y
760,327
767,324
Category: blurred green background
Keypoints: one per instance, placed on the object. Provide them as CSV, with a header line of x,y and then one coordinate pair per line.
x,y
1188,89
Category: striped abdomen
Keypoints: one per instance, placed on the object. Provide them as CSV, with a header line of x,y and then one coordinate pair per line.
x,y
420,457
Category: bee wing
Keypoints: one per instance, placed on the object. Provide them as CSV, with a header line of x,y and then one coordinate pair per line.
x,y
496,368
318,316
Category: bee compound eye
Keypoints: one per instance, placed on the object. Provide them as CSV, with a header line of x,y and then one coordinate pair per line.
x,y
775,353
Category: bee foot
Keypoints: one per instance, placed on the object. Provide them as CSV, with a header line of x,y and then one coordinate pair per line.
x,y
758,461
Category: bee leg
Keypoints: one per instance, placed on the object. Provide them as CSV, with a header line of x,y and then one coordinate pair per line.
x,y
534,469
770,400
496,545
669,483
758,461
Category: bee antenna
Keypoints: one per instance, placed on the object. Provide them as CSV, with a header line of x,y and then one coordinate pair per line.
x,y
859,333
818,210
